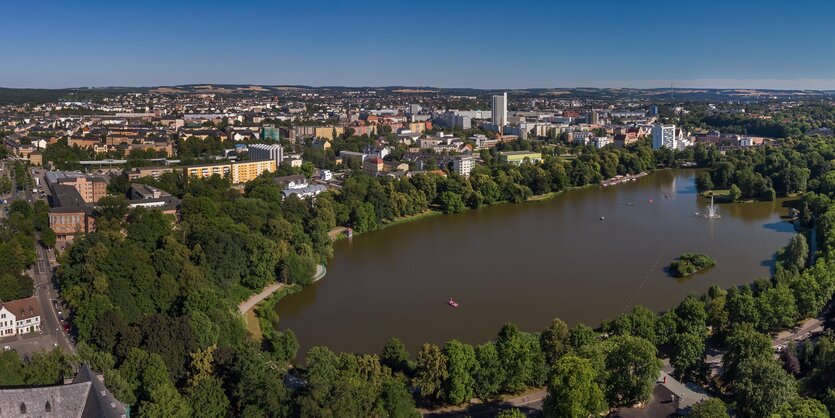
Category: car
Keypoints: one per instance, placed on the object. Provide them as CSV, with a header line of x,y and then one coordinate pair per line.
x,y
66,327
6,348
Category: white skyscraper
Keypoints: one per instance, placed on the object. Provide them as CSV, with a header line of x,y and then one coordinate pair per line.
x,y
500,110
664,136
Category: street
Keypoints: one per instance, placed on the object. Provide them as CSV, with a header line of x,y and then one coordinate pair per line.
x,y
43,277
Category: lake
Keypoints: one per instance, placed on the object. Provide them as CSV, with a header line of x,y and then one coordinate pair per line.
x,y
529,263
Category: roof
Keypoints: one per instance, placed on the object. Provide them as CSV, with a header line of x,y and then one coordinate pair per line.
x,y
85,397
23,308
375,160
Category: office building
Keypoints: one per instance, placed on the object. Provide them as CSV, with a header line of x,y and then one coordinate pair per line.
x,y
664,136
463,165
500,110
261,152
20,316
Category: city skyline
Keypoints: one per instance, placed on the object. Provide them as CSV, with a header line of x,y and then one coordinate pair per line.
x,y
485,45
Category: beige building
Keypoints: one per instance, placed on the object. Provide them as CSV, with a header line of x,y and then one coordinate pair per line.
x,y
237,172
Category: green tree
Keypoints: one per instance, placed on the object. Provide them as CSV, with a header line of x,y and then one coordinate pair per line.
x,y
796,254
710,408
802,408
395,356
397,401
633,369
573,391
451,202
461,366
688,353
735,195
762,386
554,341
514,357
511,413
13,370
207,398
430,371
489,374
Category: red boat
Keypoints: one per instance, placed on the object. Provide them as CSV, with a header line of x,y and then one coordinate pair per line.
x,y
453,303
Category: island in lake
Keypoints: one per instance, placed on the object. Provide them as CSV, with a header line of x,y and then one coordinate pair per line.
x,y
689,264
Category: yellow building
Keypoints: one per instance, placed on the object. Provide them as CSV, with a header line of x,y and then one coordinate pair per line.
x,y
326,132
238,172
518,157
246,171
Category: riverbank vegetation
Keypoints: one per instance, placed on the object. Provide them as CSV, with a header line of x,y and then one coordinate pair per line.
x,y
154,301
688,264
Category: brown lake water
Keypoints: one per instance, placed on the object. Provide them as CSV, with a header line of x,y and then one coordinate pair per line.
x,y
530,263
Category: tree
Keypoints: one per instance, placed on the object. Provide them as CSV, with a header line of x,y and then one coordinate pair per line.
x,y
580,336
688,353
395,356
633,370
397,401
511,413
430,371
514,357
572,389
703,182
554,341
207,398
777,307
489,374
735,194
461,366
13,373
802,408
451,202
762,387
710,408
796,254
744,343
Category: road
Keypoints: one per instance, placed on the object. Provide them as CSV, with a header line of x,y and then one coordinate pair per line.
x,y
43,277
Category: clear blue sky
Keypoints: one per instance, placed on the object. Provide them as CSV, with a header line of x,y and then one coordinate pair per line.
x,y
444,43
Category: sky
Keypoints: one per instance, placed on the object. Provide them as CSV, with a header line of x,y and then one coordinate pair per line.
x,y
440,43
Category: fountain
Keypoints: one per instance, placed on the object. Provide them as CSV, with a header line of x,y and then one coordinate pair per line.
x,y
712,212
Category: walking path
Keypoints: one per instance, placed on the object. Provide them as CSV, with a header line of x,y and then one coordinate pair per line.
x,y
269,290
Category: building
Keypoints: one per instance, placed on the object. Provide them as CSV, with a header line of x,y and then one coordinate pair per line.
x,y
85,397
297,181
20,316
518,157
602,141
142,195
325,175
373,165
500,110
593,118
237,172
154,172
463,165
270,133
90,188
664,136
261,152
303,192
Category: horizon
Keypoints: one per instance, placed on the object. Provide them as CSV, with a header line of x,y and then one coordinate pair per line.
x,y
488,45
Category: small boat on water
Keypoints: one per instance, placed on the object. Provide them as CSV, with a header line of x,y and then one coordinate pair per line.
x,y
452,303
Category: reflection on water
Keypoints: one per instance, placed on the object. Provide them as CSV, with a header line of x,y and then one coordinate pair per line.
x,y
530,263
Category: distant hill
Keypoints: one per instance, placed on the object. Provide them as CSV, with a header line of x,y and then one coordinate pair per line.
x,y
658,95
